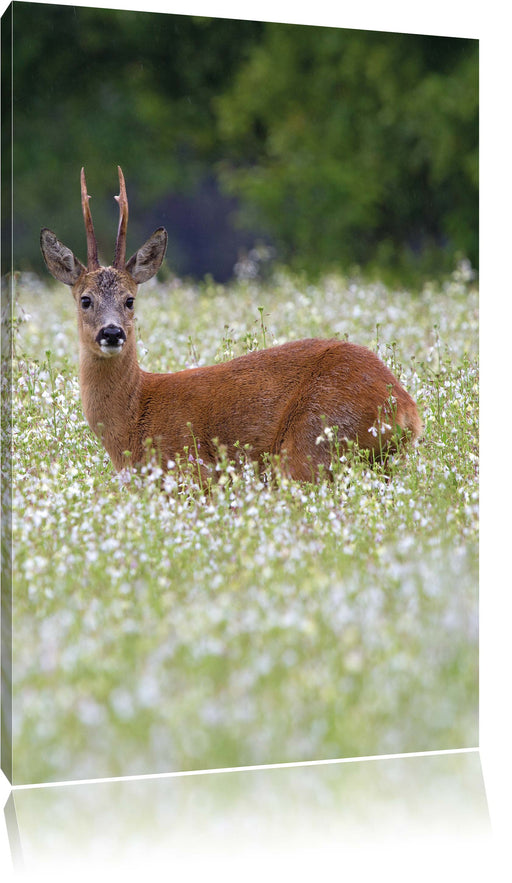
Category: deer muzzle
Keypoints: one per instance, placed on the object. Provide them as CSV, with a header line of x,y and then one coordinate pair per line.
x,y
111,339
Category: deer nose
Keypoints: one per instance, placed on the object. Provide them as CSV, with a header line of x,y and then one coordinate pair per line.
x,y
111,335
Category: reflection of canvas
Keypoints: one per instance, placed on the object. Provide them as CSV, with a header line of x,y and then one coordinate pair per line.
x,y
301,819
268,622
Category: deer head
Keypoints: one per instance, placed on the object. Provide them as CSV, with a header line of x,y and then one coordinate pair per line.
x,y
105,296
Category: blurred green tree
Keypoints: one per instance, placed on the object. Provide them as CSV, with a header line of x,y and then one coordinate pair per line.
x,y
343,147
353,146
97,88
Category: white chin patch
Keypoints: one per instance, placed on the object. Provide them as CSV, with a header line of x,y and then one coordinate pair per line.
x,y
111,350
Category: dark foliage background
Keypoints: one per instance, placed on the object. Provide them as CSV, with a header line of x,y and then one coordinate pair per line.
x,y
335,147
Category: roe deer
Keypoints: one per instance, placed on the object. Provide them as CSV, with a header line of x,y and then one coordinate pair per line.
x,y
275,401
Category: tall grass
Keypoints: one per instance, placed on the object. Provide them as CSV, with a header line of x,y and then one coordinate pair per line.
x,y
265,622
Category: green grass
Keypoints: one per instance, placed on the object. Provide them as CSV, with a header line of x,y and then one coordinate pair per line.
x,y
263,623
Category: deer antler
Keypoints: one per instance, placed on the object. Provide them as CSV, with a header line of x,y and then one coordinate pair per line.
x,y
120,256
92,247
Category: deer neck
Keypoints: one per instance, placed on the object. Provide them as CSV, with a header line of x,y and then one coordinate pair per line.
x,y
110,389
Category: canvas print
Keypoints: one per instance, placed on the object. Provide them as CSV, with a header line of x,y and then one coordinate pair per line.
x,y
240,393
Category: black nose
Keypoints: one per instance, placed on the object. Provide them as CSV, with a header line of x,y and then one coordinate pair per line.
x,y
111,335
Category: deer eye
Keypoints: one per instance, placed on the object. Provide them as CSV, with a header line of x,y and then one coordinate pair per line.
x,y
86,302
129,302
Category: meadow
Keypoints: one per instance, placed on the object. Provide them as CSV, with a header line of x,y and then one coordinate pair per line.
x,y
266,622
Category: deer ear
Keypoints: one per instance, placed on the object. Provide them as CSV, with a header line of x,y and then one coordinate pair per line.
x,y
59,259
148,259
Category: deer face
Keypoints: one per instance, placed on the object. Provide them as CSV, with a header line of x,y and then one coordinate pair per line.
x,y
105,302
